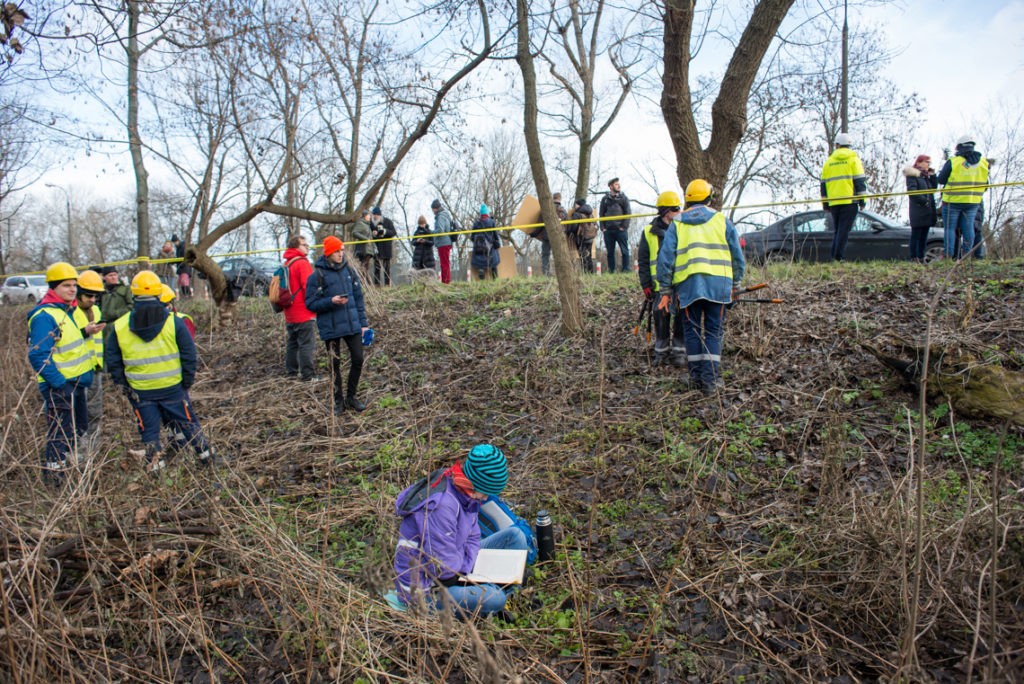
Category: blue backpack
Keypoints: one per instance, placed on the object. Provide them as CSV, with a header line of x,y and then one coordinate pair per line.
x,y
496,515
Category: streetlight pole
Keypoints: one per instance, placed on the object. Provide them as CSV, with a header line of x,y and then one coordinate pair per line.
x,y
846,73
67,207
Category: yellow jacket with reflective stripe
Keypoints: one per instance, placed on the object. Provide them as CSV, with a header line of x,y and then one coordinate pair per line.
x,y
94,342
653,245
149,365
71,354
841,169
963,176
702,248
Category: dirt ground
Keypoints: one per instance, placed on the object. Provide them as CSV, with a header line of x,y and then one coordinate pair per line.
x,y
777,531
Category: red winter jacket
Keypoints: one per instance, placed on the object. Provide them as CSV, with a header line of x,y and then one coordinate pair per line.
x,y
298,274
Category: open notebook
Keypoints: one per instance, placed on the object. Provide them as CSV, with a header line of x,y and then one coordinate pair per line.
x,y
498,566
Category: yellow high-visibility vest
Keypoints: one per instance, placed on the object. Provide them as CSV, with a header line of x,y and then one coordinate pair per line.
x,y
71,355
149,365
652,253
841,167
702,248
958,188
94,342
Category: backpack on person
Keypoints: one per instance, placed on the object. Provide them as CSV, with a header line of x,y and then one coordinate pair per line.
x,y
279,292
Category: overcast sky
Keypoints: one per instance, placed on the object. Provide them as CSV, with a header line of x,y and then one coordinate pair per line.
x,y
959,55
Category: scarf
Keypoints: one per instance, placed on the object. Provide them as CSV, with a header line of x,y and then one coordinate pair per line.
x,y
459,478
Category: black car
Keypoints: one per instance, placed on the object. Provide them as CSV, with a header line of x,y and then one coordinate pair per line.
x,y
249,275
808,237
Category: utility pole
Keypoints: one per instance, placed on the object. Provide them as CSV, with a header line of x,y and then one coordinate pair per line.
x,y
72,252
845,102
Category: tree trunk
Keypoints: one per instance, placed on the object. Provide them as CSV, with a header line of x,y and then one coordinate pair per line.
x,y
134,139
729,111
565,271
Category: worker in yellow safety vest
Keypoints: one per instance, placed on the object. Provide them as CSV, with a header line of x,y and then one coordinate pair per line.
x,y
62,359
151,354
668,206
86,311
700,262
842,179
963,177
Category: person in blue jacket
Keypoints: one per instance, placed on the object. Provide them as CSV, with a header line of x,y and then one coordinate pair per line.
x,y
62,358
150,354
700,262
486,244
335,295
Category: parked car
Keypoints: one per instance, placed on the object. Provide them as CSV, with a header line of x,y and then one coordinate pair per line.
x,y
249,276
23,289
808,237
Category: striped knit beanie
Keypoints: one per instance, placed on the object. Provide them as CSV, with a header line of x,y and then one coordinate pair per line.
x,y
487,469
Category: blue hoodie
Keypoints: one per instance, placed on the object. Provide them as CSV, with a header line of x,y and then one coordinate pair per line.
x,y
700,285
42,336
146,320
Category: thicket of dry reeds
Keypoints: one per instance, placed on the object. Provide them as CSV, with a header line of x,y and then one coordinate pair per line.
x,y
780,532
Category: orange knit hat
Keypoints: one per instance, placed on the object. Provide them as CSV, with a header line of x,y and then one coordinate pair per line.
x,y
332,245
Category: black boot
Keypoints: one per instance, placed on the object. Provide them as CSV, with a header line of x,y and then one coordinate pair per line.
x,y
354,403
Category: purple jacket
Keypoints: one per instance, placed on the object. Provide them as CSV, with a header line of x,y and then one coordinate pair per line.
x,y
438,539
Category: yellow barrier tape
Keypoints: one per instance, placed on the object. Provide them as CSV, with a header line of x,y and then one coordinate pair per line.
x,y
764,205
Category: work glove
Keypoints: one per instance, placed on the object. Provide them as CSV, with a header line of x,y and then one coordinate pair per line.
x,y
663,304
861,203
649,292
130,394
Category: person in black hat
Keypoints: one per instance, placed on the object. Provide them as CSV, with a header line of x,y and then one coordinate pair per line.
x,y
117,298
616,231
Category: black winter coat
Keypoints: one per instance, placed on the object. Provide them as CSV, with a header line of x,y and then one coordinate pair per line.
x,y
423,248
384,229
922,207
615,206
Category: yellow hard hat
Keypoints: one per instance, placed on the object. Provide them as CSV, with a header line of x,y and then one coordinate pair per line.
x,y
60,271
146,284
166,294
698,190
668,199
90,282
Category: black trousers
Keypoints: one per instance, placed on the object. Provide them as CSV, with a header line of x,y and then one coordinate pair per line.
x,y
381,271
355,369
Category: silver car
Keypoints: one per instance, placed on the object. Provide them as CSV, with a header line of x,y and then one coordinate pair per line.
x,y
23,289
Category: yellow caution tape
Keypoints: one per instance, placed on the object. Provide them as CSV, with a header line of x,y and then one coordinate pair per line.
x,y
525,226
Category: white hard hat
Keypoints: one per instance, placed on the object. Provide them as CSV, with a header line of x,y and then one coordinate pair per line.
x,y
965,140
844,139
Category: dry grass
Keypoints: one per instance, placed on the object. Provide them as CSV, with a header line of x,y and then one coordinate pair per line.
x,y
769,534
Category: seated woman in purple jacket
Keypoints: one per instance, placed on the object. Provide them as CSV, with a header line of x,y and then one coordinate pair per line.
x,y
439,536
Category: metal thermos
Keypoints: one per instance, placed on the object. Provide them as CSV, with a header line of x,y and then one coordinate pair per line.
x,y
545,537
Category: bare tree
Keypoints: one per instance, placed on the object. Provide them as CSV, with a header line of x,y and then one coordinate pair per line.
x,y
565,271
729,111
1000,135
584,43
16,154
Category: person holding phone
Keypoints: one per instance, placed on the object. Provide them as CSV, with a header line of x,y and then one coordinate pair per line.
x,y
88,317
335,294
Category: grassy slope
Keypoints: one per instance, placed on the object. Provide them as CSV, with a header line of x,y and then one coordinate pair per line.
x,y
768,532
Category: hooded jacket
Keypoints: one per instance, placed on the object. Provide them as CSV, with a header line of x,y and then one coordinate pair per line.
x,y
43,332
146,320
442,224
485,244
298,274
334,321
438,539
922,207
700,285
422,248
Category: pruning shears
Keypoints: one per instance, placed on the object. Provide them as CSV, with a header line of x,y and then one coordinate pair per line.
x,y
645,310
736,298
